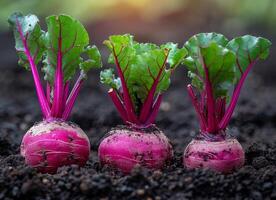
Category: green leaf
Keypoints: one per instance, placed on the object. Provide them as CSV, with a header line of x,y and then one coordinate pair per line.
x,y
31,32
142,64
176,55
94,59
145,70
68,36
209,49
107,77
220,63
248,49
193,46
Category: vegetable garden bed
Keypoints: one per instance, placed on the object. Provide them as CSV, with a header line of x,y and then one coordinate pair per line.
x,y
254,125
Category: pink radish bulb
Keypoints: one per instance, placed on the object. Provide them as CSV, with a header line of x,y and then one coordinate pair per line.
x,y
55,142
124,149
144,71
220,155
49,145
217,66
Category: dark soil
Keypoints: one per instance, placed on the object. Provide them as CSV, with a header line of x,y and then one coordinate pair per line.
x,y
254,124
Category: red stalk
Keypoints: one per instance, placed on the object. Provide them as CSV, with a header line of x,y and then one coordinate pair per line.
x,y
154,110
118,104
65,95
72,97
58,85
226,118
196,105
48,93
39,89
147,105
127,100
220,108
212,125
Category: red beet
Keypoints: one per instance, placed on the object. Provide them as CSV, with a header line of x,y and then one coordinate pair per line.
x,y
124,149
55,142
144,71
49,145
217,66
220,155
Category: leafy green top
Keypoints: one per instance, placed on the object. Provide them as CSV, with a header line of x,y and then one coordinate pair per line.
x,y
65,36
215,65
64,49
225,60
144,68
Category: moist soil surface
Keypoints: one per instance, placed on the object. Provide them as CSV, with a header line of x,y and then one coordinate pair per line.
x,y
253,124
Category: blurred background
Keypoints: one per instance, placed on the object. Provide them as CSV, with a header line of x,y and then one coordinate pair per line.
x,y
156,21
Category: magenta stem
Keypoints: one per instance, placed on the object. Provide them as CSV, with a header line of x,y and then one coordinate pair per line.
x,y
72,98
127,100
229,111
48,94
220,108
198,110
58,85
65,95
154,110
147,105
39,89
211,114
118,104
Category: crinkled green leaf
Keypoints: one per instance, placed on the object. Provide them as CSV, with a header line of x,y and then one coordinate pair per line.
x,y
93,59
74,40
247,49
62,29
32,33
210,49
226,61
108,77
220,63
143,63
176,55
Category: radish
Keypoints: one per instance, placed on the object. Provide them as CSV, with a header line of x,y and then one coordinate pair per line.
x,y
144,72
54,142
215,65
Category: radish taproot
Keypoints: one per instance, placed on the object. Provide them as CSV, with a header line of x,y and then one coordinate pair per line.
x,y
54,142
215,66
144,72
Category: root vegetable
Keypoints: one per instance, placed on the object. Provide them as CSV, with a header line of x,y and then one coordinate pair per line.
x,y
144,72
215,65
54,142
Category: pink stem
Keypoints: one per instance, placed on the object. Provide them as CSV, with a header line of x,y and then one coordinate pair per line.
x,y
72,97
39,89
48,93
147,105
196,105
127,100
58,86
220,107
118,104
65,95
228,114
212,125
154,110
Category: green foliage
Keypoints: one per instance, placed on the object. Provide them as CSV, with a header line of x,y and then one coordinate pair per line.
x,y
108,77
225,61
32,34
248,49
65,37
143,65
